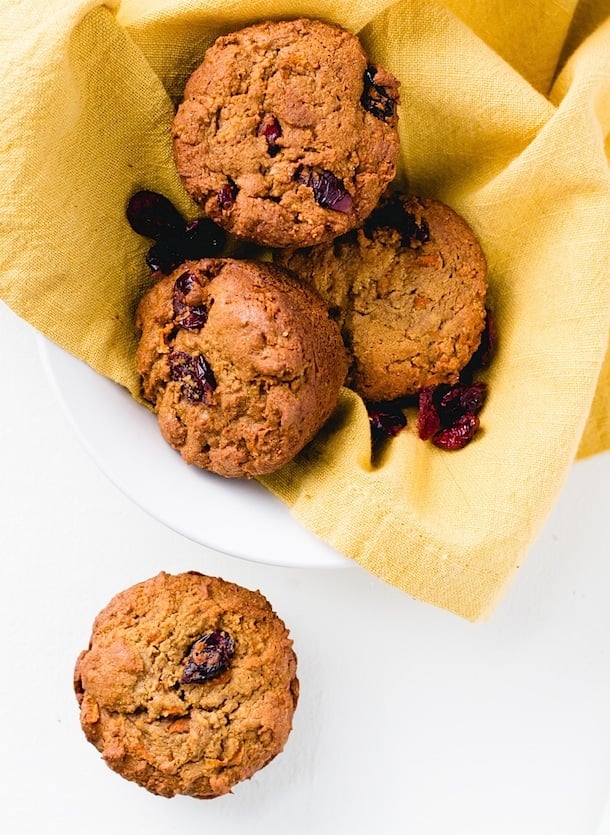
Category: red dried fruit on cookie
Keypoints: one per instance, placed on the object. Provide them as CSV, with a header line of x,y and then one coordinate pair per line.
x,y
182,287
328,190
195,374
393,215
188,317
271,129
226,196
208,657
375,97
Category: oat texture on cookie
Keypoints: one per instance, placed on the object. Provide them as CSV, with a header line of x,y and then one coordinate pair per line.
x,y
241,362
408,291
188,685
287,134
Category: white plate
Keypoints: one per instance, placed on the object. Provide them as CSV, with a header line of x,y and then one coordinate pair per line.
x,y
237,517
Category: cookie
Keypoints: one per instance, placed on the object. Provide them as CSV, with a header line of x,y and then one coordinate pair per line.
x,y
188,685
242,364
287,134
408,291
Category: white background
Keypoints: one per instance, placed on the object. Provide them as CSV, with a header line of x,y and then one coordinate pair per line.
x,y
410,719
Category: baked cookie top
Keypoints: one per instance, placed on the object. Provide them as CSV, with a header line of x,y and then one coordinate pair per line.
x,y
287,134
408,292
241,361
188,685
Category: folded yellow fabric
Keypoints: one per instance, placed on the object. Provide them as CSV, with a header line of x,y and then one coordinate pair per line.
x,y
505,116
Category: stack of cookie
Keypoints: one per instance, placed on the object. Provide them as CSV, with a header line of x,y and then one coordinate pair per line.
x,y
287,137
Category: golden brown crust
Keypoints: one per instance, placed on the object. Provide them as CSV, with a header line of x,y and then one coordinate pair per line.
x,y
198,739
277,360
309,77
411,308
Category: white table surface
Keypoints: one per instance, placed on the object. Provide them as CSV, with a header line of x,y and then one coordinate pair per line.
x,y
410,719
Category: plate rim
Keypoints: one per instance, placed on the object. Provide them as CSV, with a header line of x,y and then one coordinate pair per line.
x,y
315,554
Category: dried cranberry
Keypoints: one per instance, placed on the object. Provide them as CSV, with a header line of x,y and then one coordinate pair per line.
x,y
375,98
180,365
164,256
328,190
194,318
189,317
386,419
389,215
208,657
487,345
392,214
201,238
153,216
415,231
460,399
182,287
448,413
458,434
226,196
428,418
195,374
271,129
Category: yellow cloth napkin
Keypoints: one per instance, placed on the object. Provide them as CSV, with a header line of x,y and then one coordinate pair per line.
x,y
505,116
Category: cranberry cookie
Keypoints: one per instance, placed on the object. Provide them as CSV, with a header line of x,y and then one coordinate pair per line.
x,y
189,684
408,291
241,362
287,134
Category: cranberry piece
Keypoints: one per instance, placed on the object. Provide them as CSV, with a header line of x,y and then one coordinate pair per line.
x,y
328,190
195,374
444,407
386,420
414,231
389,215
201,238
153,215
208,657
271,129
375,98
164,257
461,399
194,318
182,287
459,434
226,196
189,317
393,215
428,418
